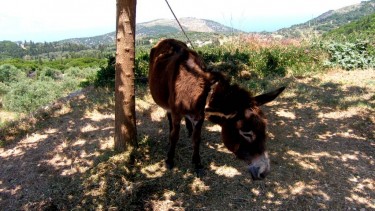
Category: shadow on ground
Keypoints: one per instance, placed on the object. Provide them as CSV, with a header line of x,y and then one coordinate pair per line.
x,y
321,143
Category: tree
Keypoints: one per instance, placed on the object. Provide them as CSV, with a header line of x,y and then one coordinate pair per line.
x,y
125,124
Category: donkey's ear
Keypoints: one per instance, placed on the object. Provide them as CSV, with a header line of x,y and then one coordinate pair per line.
x,y
268,97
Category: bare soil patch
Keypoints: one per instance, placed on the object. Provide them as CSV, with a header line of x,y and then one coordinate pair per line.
x,y
321,145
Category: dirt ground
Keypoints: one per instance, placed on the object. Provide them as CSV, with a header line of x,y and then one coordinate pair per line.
x,y
321,145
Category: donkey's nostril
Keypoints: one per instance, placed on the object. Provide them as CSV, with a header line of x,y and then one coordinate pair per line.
x,y
262,175
255,175
254,172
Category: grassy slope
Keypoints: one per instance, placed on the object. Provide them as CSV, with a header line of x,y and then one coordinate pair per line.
x,y
321,146
363,28
330,20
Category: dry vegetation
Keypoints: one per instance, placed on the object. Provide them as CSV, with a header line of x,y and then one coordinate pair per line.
x,y
321,143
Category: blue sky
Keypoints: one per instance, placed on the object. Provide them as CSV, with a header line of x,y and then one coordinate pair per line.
x,y
51,20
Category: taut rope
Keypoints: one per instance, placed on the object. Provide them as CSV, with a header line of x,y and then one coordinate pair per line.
x,y
180,24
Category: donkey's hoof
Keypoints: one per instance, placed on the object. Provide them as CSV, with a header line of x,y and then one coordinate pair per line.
x,y
200,172
169,164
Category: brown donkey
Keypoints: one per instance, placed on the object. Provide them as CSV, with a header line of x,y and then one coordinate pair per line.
x,y
180,83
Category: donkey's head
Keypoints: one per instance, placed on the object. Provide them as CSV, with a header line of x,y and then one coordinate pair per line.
x,y
243,124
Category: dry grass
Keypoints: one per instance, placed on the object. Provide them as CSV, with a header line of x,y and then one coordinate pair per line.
x,y
321,143
6,116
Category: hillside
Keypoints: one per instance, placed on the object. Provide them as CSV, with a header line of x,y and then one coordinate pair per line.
x,y
330,20
159,27
105,39
9,49
189,24
364,27
199,29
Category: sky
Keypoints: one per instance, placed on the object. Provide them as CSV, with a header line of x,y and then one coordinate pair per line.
x,y
53,20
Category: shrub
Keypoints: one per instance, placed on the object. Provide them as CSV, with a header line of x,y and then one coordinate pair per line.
x,y
49,73
27,96
24,65
3,89
265,60
106,75
141,64
224,60
10,74
80,73
73,72
350,55
273,64
69,85
84,62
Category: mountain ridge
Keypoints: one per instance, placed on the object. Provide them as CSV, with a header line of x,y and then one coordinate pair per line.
x,y
198,29
319,25
329,20
159,27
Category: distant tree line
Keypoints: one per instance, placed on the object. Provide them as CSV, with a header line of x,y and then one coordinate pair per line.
x,y
34,50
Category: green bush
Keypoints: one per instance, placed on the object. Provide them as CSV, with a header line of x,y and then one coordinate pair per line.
x,y
3,89
24,65
224,60
75,77
273,64
69,85
10,74
106,75
49,73
265,61
141,64
350,55
84,62
75,72
21,94
80,73
26,95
